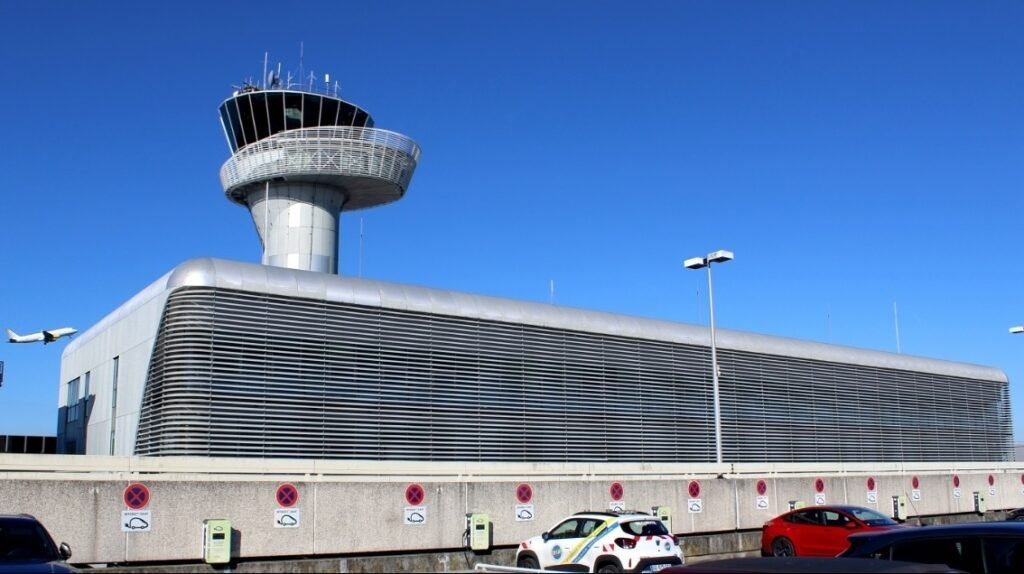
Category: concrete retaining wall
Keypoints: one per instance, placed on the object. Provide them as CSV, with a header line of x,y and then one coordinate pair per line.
x,y
360,508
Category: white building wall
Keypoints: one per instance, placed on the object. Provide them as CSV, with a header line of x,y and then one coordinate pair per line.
x,y
128,333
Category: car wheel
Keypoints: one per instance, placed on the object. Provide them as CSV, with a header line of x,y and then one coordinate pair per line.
x,y
783,546
528,562
609,568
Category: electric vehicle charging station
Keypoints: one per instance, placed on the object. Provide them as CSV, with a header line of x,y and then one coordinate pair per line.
x,y
665,514
216,541
899,507
479,532
979,502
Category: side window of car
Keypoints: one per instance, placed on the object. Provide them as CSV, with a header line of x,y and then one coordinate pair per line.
x,y
564,530
588,527
833,518
1004,555
807,517
959,553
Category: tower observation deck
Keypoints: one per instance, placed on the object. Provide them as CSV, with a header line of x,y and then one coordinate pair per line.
x,y
300,158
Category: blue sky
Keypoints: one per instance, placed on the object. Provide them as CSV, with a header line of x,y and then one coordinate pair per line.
x,y
852,154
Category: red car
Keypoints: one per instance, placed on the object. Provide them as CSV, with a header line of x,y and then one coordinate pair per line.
x,y
819,530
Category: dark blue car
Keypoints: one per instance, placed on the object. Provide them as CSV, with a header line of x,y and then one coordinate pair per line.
x,y
26,546
982,547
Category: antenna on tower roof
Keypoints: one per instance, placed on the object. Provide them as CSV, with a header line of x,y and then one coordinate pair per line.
x,y
265,55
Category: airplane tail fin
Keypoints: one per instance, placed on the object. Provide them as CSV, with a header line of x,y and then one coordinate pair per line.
x,y
11,335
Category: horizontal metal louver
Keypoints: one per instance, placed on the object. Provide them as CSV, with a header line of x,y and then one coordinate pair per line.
x,y
237,373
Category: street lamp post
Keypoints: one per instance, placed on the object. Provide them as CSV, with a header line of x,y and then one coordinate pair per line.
x,y
699,263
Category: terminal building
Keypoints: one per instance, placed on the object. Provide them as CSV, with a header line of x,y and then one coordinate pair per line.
x,y
287,359
223,358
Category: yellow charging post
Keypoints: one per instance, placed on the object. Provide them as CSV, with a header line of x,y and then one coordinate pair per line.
x,y
216,541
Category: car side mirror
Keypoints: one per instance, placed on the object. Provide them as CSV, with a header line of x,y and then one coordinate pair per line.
x,y
65,550
851,526
546,536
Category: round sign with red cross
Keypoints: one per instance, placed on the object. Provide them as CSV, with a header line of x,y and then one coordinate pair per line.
x,y
956,481
871,483
915,482
762,487
415,495
136,496
694,489
287,495
524,493
991,480
819,485
616,491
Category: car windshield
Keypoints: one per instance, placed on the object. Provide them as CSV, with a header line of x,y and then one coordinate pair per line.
x,y
25,541
872,518
644,528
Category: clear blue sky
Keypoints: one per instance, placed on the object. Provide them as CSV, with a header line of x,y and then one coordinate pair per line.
x,y
852,155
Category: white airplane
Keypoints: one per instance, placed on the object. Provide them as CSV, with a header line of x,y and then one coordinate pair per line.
x,y
44,336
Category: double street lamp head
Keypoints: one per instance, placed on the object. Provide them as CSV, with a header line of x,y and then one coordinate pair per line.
x,y
719,256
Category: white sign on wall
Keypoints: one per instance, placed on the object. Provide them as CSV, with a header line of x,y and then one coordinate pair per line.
x,y
415,515
286,517
136,520
956,493
695,505
524,512
762,503
915,494
873,496
617,506
819,499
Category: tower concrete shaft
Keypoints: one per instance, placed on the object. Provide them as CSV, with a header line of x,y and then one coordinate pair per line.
x,y
298,224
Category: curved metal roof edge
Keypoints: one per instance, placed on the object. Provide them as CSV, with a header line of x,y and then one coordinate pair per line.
x,y
211,272
151,291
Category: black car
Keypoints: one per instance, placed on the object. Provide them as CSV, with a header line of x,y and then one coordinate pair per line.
x,y
26,546
981,547
801,565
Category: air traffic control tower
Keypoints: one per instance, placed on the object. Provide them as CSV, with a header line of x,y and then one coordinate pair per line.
x,y
302,156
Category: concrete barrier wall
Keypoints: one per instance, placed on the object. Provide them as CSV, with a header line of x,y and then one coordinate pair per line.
x,y
352,508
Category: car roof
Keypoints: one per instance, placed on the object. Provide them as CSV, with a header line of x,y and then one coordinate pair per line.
x,y
18,517
632,514
803,564
843,507
963,529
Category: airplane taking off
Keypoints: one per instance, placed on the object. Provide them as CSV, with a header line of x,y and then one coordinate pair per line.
x,y
44,336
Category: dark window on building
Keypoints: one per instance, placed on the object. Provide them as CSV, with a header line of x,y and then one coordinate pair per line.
x,y
292,111
72,400
275,107
329,112
311,111
234,123
245,115
259,113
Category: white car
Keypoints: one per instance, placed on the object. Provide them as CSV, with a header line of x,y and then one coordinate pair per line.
x,y
603,542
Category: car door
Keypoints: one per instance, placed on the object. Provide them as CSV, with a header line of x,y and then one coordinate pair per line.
x,y
833,537
561,540
804,531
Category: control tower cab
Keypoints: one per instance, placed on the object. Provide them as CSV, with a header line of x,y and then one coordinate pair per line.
x,y
300,158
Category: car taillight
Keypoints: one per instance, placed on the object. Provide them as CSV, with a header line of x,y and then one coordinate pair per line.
x,y
627,543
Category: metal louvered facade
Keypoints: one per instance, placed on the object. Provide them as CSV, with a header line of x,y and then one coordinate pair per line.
x,y
240,372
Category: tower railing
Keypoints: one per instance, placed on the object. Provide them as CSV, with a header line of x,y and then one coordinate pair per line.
x,y
324,152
